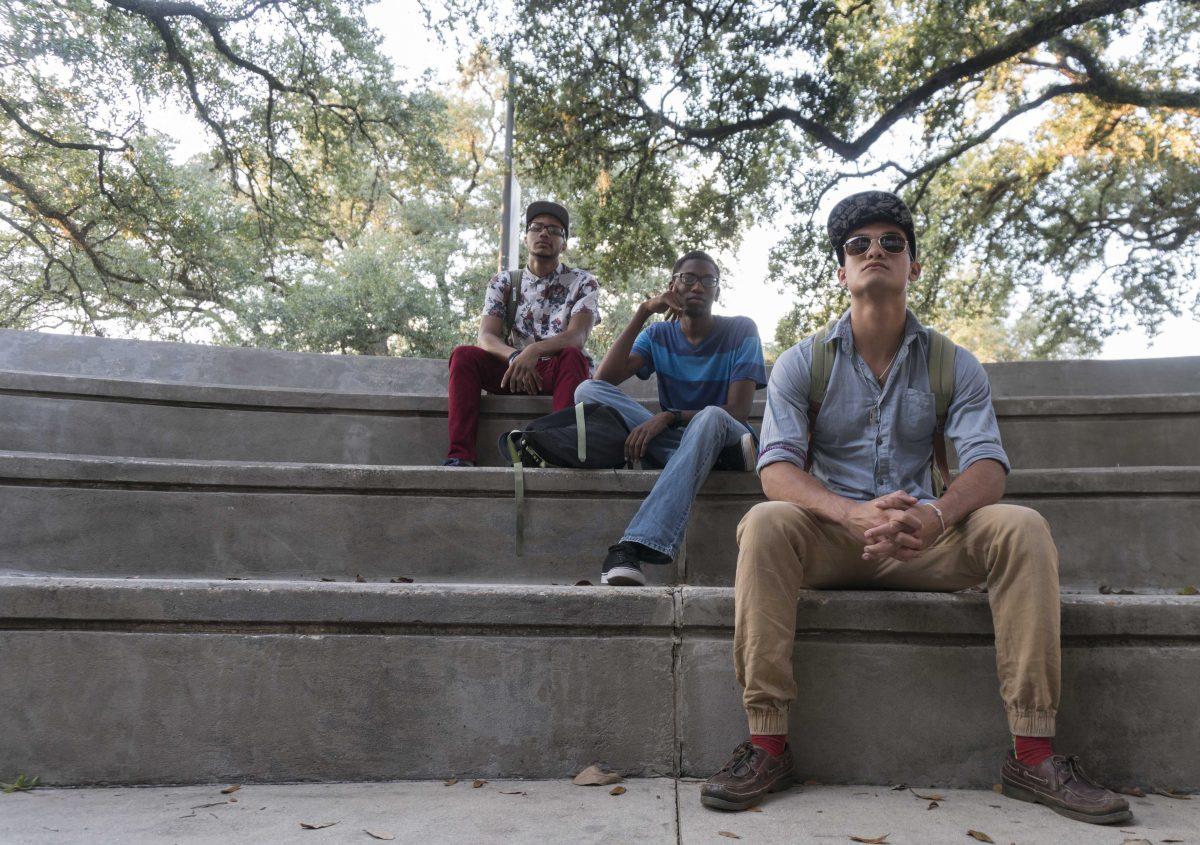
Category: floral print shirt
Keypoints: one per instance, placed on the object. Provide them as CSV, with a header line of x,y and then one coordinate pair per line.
x,y
545,306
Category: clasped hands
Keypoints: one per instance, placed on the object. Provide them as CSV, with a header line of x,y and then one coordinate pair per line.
x,y
522,375
895,525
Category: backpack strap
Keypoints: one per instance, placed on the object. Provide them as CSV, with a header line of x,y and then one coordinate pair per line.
x,y
941,380
511,300
820,369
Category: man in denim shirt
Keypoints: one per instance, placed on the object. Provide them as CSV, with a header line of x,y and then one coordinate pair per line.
x,y
865,516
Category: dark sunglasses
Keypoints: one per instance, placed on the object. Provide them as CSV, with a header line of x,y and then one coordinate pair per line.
x,y
895,244
689,279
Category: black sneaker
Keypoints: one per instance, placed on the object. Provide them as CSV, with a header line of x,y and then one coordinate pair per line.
x,y
622,567
457,462
740,457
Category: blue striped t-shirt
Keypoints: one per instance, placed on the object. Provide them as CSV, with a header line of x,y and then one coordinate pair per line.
x,y
693,377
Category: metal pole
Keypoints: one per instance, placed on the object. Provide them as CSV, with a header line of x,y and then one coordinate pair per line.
x,y
506,209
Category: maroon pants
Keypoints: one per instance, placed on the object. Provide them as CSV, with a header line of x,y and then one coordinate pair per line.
x,y
473,369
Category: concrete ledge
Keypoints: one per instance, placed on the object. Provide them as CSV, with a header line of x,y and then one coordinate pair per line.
x,y
205,681
157,360
85,415
77,515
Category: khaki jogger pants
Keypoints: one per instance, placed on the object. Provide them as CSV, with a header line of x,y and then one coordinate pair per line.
x,y
783,548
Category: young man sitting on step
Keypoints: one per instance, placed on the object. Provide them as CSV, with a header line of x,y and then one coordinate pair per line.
x,y
531,335
708,369
867,516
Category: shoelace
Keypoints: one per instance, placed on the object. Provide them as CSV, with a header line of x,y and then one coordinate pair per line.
x,y
1075,768
741,757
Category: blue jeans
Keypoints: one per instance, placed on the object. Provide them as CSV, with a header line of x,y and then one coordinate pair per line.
x,y
688,454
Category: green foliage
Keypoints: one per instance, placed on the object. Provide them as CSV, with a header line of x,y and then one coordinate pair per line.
x,y
23,783
1048,148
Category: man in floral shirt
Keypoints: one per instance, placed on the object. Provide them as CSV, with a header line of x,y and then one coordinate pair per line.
x,y
542,354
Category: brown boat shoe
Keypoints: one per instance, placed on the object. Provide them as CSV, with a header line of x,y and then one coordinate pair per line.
x,y
746,779
1061,784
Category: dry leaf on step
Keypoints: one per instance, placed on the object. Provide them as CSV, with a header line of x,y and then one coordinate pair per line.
x,y
1135,791
617,790
316,825
596,776
728,834
380,834
1166,793
451,781
980,835
933,805
878,840
930,797
478,782
230,789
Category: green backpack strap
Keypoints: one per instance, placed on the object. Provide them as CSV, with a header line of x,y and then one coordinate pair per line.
x,y
820,369
510,303
941,381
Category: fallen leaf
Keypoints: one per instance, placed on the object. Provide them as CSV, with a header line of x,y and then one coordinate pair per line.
x,y
878,840
617,790
512,792
232,800
1189,590
1137,842
997,788
596,776
927,797
1135,791
756,809
358,579
900,787
1166,793
379,834
478,782
325,579
401,579
933,805
231,789
727,834
1173,840
451,781
980,835
1105,589
316,825
584,583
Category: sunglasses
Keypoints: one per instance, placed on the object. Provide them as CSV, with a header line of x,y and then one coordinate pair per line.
x,y
894,244
689,279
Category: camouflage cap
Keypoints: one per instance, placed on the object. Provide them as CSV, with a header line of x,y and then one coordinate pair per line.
x,y
869,207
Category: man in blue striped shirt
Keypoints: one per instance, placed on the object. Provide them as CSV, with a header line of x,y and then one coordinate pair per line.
x,y
708,369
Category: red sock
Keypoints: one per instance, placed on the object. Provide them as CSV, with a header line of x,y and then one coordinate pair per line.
x,y
773,744
1032,750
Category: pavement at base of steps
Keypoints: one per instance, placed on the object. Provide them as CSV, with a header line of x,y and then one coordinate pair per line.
x,y
544,812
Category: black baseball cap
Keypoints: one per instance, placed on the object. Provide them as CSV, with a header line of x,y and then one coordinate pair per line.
x,y
869,207
553,209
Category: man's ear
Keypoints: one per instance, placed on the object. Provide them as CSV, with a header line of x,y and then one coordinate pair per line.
x,y
914,271
841,275
717,292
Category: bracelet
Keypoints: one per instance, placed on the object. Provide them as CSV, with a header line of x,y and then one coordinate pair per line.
x,y
514,355
938,511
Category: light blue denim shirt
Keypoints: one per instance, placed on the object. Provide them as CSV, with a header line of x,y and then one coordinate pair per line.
x,y
871,440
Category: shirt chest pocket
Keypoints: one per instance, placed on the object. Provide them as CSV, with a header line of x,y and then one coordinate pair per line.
x,y
917,417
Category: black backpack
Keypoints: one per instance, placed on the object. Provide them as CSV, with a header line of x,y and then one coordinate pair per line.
x,y
587,436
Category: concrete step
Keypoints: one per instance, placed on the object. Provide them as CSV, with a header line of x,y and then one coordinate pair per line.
x,y
191,363
200,681
106,416
1137,528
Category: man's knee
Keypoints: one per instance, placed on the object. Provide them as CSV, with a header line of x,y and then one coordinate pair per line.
x,y
467,355
592,390
770,522
711,417
1019,529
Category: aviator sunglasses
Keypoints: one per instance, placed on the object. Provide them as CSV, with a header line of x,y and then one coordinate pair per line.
x,y
893,244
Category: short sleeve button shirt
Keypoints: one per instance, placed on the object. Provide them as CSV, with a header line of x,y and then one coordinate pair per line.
x,y
545,305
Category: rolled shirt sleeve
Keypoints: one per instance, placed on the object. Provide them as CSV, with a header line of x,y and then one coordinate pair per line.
x,y
785,420
971,420
587,297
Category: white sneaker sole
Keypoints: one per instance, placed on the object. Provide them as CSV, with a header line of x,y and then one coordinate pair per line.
x,y
623,576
